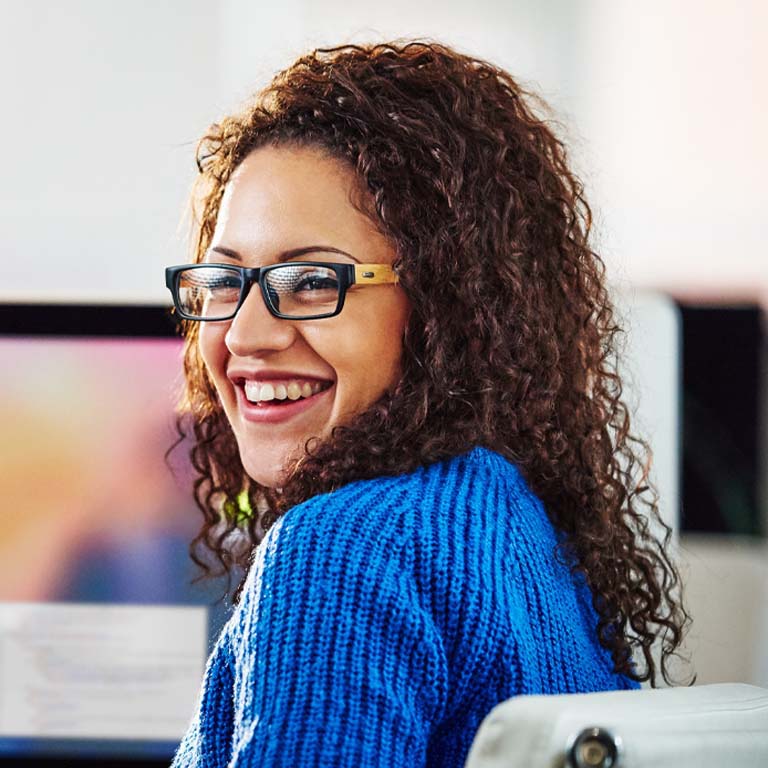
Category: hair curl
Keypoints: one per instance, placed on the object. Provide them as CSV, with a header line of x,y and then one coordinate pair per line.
x,y
511,341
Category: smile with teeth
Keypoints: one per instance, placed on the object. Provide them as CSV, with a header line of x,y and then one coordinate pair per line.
x,y
293,389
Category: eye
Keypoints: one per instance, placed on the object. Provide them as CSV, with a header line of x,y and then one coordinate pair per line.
x,y
302,289
317,282
224,282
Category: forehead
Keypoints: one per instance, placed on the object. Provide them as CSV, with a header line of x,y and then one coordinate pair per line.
x,y
289,197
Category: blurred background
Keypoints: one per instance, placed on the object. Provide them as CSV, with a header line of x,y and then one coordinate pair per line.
x,y
665,109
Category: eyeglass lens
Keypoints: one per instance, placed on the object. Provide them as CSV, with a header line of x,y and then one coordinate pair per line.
x,y
294,290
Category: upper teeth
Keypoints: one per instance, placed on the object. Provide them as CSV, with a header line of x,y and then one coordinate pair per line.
x,y
280,390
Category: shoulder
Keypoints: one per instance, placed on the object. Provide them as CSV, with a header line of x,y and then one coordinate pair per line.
x,y
477,494
421,523
479,478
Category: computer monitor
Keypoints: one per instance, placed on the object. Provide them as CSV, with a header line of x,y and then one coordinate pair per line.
x,y
103,632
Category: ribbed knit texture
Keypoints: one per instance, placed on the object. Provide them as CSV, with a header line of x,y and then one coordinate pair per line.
x,y
382,622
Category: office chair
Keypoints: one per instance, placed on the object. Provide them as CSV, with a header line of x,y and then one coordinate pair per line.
x,y
710,726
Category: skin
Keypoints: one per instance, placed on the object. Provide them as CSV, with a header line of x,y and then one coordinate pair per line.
x,y
286,198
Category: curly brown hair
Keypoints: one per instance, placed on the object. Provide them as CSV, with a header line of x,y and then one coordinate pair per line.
x,y
511,342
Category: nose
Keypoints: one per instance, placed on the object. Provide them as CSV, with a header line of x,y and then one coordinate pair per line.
x,y
254,330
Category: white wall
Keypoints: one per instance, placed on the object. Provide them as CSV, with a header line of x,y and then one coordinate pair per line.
x,y
727,595
673,101
532,38
103,102
666,106
101,105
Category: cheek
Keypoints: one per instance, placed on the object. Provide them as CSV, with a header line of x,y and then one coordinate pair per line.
x,y
367,354
373,365
212,348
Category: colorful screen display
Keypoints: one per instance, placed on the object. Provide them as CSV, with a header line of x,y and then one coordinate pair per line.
x,y
93,518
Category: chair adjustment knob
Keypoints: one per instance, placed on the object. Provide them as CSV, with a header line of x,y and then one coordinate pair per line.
x,y
594,748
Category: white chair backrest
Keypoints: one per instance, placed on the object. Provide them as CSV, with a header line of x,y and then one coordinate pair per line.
x,y
710,726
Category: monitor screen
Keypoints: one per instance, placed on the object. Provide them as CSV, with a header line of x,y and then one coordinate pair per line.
x,y
103,630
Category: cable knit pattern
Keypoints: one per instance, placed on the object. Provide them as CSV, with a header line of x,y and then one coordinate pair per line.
x,y
380,624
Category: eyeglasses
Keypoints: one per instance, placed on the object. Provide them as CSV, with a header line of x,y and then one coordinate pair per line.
x,y
299,290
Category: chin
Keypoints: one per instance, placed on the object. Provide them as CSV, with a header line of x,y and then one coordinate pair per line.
x,y
264,468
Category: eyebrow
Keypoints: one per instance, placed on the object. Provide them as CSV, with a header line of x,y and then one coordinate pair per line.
x,y
293,253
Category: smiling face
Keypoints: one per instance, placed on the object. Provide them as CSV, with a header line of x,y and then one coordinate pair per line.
x,y
282,382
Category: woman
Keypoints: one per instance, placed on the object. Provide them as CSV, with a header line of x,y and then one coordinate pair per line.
x,y
399,366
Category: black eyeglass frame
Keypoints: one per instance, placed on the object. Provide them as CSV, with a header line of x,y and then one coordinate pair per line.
x,y
347,275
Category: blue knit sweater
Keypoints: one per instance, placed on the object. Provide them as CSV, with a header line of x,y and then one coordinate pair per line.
x,y
381,623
